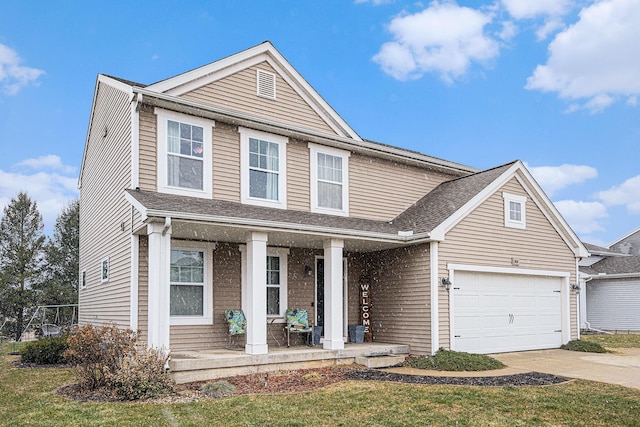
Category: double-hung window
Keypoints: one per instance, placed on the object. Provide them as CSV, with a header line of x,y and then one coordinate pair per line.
x,y
263,163
184,154
514,210
276,282
190,286
329,180
273,285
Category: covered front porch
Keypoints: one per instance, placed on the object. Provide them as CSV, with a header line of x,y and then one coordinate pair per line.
x,y
189,366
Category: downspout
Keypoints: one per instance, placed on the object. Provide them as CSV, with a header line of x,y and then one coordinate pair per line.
x,y
586,322
167,225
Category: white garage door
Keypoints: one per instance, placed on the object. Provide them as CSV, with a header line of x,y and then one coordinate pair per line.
x,y
495,313
614,305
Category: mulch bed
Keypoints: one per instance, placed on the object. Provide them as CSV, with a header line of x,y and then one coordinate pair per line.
x,y
311,379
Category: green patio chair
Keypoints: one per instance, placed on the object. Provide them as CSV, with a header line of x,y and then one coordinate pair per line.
x,y
237,323
297,323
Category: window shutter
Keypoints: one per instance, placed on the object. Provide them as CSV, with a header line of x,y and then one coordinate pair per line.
x,y
266,83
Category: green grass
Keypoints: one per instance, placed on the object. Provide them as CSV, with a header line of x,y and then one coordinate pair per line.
x,y
447,360
26,398
614,341
582,345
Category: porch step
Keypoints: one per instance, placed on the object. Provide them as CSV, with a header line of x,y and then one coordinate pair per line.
x,y
379,361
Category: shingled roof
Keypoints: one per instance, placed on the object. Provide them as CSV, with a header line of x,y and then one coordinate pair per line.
x,y
599,250
615,265
438,205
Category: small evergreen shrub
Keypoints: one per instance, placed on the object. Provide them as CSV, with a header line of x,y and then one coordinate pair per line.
x,y
45,351
141,375
218,389
586,346
447,360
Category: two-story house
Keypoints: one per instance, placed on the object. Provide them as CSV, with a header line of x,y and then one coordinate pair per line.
x,y
235,185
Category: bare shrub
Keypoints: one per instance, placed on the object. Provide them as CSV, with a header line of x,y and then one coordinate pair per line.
x,y
218,389
141,375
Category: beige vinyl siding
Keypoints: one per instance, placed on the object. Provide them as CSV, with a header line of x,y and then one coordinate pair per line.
x,y
400,297
238,92
226,162
298,176
148,149
381,189
104,210
482,239
143,288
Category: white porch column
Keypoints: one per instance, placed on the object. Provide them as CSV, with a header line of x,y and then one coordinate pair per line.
x,y
333,294
256,293
159,289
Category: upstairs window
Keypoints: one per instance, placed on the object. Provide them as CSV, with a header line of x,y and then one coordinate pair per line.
x,y
329,180
184,154
514,210
263,163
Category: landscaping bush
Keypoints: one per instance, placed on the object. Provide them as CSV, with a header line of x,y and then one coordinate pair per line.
x,y
218,389
45,351
447,360
141,375
586,346
97,352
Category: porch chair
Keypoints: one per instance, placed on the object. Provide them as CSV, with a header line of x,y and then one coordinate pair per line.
x,y
237,323
297,323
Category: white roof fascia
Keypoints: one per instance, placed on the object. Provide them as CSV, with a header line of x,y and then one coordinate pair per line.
x,y
110,82
440,231
604,276
623,237
579,249
183,83
136,204
243,119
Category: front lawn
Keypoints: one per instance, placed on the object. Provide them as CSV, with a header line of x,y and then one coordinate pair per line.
x,y
614,341
27,398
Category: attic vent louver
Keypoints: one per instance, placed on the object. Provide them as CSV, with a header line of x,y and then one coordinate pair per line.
x,y
266,83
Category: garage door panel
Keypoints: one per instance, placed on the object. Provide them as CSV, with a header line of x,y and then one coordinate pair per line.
x,y
499,312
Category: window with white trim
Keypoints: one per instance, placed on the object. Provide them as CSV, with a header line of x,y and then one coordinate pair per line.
x,y
263,163
184,154
190,285
83,279
276,274
104,270
514,210
329,180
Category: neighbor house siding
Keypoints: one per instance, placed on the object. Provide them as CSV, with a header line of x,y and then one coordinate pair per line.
x,y
105,215
400,295
381,189
238,92
298,176
482,239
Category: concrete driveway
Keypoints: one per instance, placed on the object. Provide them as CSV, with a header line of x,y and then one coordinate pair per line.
x,y
621,367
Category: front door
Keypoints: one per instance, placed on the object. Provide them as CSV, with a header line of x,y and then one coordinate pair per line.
x,y
320,294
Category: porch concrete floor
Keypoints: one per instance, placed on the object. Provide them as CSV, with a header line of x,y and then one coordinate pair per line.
x,y
189,366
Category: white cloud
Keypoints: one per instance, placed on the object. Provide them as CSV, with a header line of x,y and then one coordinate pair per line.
x,y
509,31
14,76
50,161
527,9
444,38
596,60
583,217
550,26
50,190
554,178
627,194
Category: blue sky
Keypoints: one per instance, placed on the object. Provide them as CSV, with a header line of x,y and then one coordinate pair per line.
x,y
551,82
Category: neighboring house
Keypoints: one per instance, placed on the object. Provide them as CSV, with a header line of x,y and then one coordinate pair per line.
x,y
236,185
610,282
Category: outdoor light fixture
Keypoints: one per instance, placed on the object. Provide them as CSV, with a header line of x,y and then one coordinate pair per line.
x,y
446,283
308,270
575,288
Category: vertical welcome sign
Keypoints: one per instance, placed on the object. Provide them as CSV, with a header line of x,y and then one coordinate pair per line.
x,y
365,307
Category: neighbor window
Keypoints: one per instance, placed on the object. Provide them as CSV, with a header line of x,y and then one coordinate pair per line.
x,y
184,155
190,281
263,163
104,270
329,180
514,210
83,279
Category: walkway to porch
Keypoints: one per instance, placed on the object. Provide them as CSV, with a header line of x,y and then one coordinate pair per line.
x,y
189,366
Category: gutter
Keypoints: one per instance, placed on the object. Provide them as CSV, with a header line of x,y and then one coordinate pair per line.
x,y
242,119
602,276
